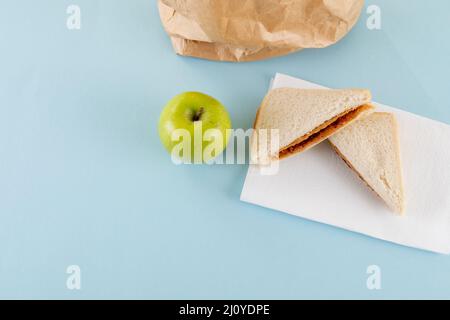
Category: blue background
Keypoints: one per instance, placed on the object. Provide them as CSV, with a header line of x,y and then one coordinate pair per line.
x,y
84,179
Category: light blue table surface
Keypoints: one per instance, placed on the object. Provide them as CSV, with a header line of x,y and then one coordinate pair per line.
x,y
85,181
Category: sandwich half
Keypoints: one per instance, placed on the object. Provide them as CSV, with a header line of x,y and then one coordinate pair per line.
x,y
370,147
303,118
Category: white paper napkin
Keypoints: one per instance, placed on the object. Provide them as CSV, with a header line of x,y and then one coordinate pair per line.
x,y
317,185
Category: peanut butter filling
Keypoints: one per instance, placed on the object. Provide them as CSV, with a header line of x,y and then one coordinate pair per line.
x,y
323,131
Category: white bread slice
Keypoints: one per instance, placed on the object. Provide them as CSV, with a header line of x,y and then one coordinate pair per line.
x,y
305,117
370,147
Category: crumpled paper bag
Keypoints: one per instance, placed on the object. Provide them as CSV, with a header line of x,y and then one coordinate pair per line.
x,y
248,30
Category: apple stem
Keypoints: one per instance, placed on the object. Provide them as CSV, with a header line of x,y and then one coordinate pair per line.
x,y
198,114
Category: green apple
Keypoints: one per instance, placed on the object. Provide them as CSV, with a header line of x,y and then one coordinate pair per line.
x,y
196,124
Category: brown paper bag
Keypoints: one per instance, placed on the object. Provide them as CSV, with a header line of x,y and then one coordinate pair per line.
x,y
248,30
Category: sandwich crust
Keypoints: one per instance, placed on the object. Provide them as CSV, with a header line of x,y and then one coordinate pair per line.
x,y
376,181
348,163
324,131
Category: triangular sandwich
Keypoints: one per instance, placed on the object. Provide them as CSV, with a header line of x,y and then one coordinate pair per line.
x,y
370,147
304,118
